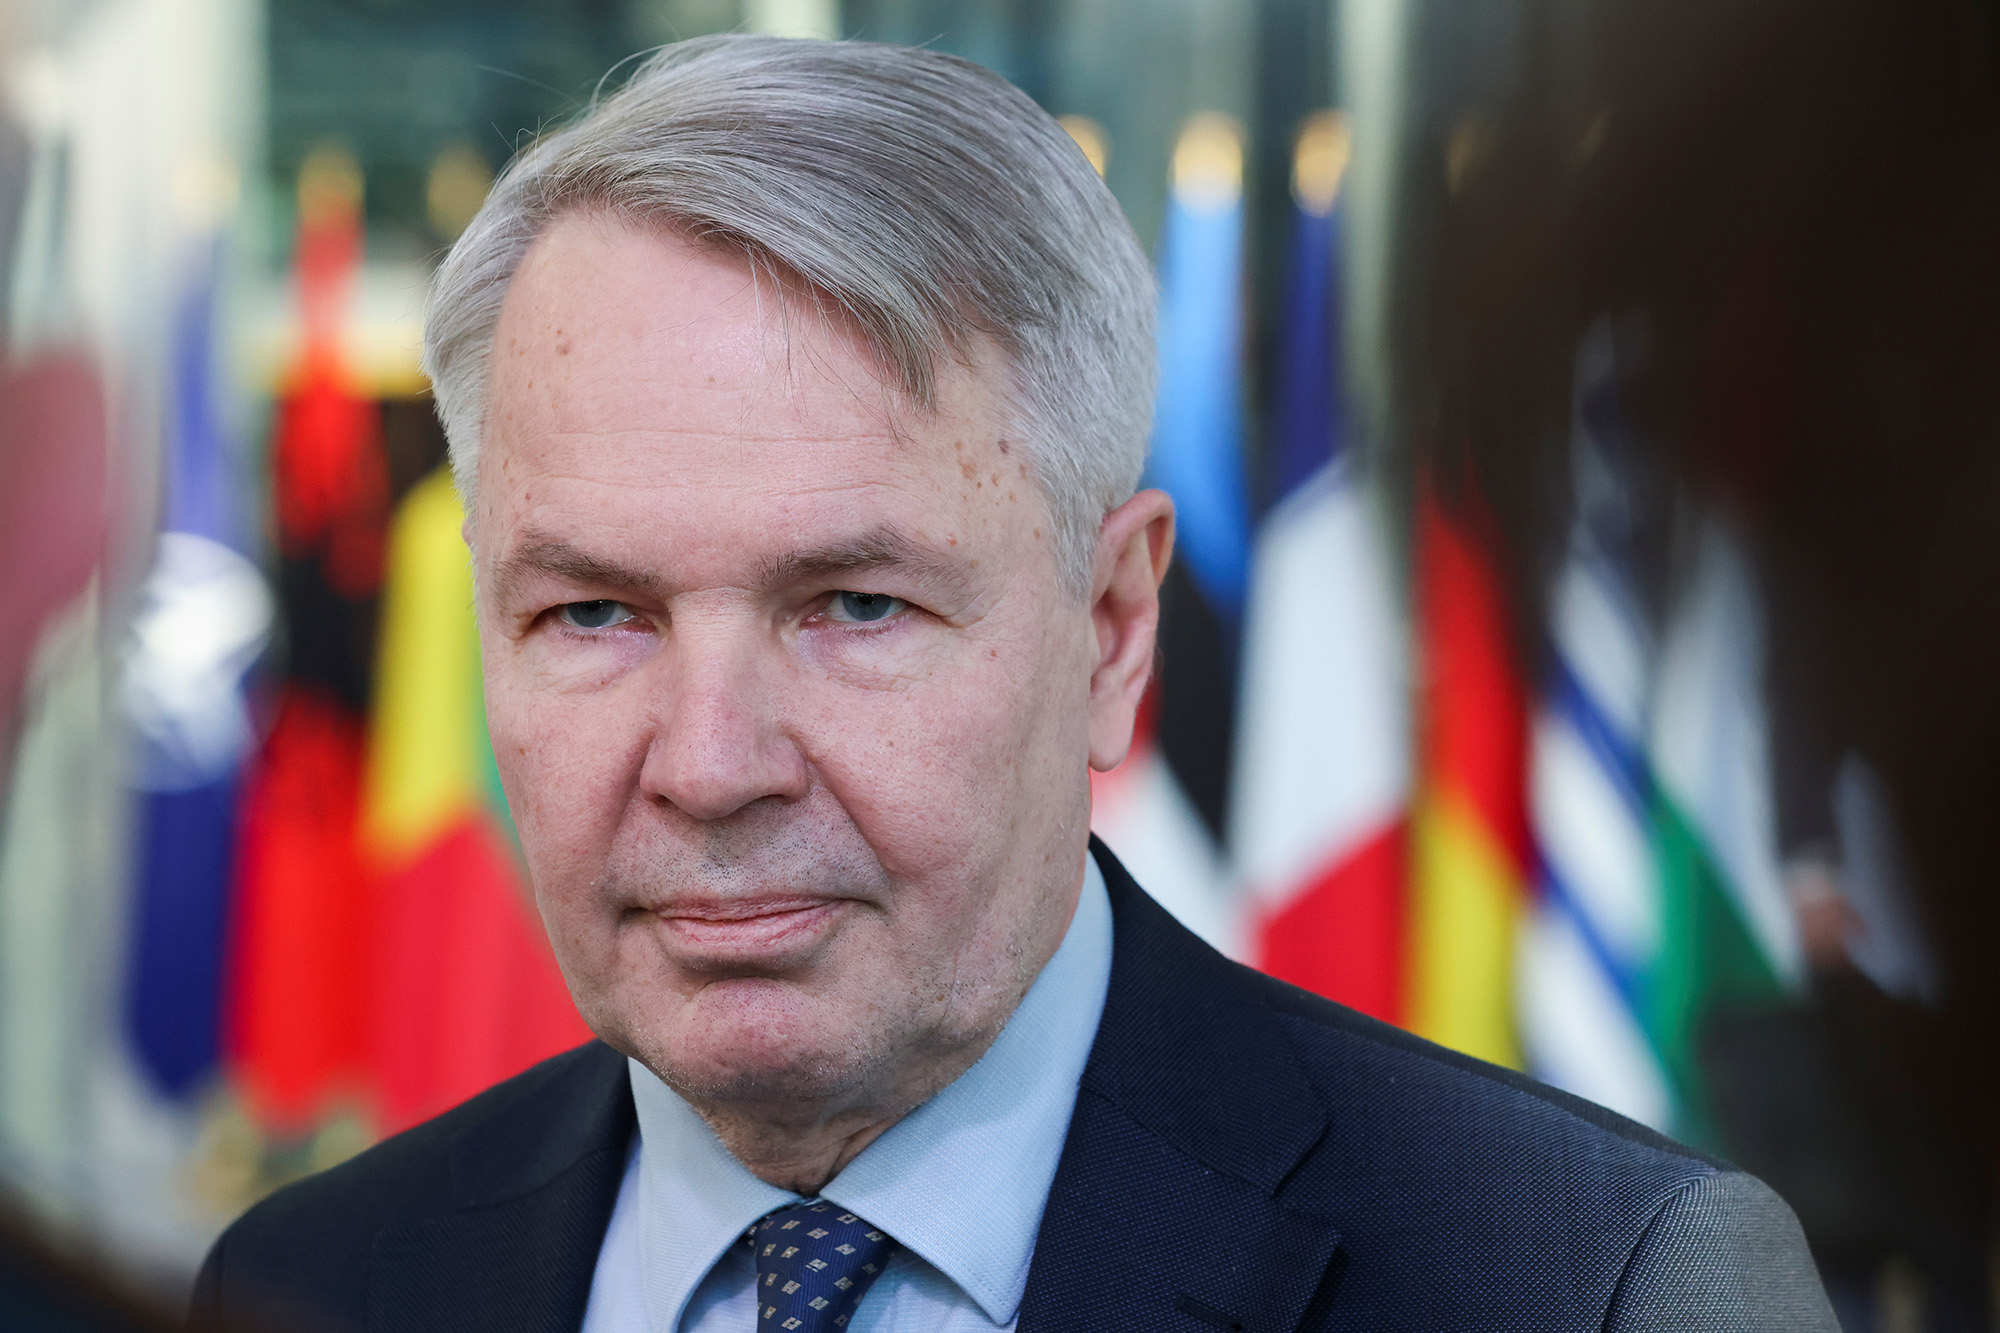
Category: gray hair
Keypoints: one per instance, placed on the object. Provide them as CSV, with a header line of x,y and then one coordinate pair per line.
x,y
926,198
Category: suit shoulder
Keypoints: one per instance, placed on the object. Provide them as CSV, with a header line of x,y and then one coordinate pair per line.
x,y
309,1242
1724,1252
1365,1059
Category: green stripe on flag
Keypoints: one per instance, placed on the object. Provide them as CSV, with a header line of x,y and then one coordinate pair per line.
x,y
1709,963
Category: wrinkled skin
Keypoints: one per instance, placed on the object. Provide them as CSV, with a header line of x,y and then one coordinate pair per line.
x,y
793,712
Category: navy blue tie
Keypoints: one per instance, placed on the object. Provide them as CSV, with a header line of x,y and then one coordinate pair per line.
x,y
815,1261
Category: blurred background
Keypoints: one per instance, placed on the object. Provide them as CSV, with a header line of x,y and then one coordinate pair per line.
x,y
1585,421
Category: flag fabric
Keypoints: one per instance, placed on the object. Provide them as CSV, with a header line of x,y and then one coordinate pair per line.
x,y
1197,446
295,1009
1594,938
61,847
1471,849
54,467
61,810
297,986
465,990
1319,806
1727,935
386,958
204,618
1163,809
1197,458
1322,790
1310,420
1661,903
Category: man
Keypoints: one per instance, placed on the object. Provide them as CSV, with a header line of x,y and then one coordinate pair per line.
x,y
799,396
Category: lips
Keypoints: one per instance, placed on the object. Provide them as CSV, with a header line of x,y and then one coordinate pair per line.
x,y
756,930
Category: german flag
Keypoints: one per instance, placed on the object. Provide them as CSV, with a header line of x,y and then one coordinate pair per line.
x,y
1472,851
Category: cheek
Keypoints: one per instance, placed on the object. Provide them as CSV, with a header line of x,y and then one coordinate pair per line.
x,y
943,774
564,762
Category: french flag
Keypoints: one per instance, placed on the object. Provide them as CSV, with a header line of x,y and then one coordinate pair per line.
x,y
1319,809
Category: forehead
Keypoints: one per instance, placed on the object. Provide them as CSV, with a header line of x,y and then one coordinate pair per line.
x,y
647,385
631,364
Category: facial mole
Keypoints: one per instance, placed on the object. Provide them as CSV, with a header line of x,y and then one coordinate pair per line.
x,y
1038,534
1006,448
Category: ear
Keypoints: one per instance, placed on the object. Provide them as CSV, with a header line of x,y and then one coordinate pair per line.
x,y
1134,544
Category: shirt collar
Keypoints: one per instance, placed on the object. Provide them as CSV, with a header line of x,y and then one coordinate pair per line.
x,y
928,1180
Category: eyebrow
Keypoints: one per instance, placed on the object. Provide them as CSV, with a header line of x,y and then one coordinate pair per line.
x,y
884,547
559,559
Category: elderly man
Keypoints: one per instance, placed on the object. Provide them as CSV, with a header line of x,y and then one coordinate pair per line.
x,y
799,394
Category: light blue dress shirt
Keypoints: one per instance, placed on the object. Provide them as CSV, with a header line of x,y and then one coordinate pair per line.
x,y
960,1182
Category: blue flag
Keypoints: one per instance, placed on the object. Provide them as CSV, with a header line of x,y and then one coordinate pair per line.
x,y
203,620
1308,427
1197,448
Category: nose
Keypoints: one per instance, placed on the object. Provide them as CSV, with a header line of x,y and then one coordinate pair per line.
x,y
719,740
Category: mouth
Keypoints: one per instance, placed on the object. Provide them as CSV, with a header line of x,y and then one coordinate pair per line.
x,y
756,931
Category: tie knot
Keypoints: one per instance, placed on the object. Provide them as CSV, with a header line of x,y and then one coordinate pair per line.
x,y
815,1260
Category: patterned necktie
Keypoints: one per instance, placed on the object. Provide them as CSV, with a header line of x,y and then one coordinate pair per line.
x,y
814,1263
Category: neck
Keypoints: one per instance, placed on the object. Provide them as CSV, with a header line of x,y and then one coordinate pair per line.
x,y
800,1162
802,1148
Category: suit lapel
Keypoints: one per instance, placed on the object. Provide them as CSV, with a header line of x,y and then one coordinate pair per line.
x,y
532,1192
1166,1211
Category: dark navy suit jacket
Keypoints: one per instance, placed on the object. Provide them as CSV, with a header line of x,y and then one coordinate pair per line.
x,y
1243,1155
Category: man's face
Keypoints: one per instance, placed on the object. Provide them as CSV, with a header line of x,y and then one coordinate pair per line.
x,y
791,708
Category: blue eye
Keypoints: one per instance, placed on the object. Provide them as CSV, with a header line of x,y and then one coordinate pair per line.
x,y
598,614
864,608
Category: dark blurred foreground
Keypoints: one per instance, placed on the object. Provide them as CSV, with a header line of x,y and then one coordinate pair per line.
x,y
1792,210
44,1290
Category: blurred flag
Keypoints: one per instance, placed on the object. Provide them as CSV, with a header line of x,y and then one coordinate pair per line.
x,y
1310,422
1318,813
1471,851
1163,810
465,991
386,953
1197,457
1727,934
1197,448
204,617
53,521
62,807
296,985
1662,895
1594,937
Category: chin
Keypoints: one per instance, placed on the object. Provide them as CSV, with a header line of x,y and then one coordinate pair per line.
x,y
760,1072
754,1042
